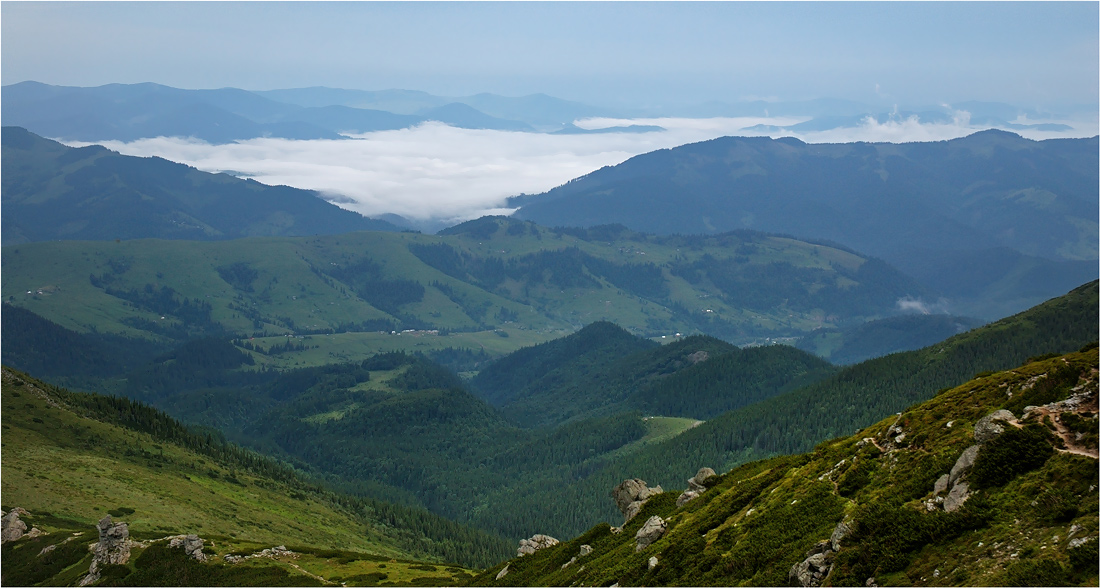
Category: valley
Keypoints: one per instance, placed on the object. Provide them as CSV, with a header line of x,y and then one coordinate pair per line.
x,y
263,371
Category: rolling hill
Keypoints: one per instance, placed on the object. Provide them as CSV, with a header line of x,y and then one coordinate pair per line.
x,y
495,284
697,377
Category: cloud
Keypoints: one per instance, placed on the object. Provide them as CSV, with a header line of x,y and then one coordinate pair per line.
x,y
435,173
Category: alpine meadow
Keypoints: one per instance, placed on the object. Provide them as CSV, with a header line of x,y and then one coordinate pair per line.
x,y
549,294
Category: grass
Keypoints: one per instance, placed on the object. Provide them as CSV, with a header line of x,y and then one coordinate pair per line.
x,y
291,293
70,471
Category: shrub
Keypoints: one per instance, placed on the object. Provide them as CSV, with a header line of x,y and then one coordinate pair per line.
x,y
1033,572
1014,452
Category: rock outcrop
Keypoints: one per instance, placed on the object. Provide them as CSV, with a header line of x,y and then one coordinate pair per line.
x,y
630,496
535,543
650,532
841,531
951,490
696,486
12,528
113,548
813,570
503,572
279,551
192,545
992,425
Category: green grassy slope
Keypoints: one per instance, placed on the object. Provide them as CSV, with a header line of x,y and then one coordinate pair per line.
x,y
1027,522
76,457
512,282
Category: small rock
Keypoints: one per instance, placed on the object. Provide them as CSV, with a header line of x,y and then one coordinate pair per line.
x,y
1073,543
958,495
503,572
991,425
653,562
616,530
585,550
569,563
650,532
871,582
686,497
46,550
964,463
11,528
535,543
839,533
941,484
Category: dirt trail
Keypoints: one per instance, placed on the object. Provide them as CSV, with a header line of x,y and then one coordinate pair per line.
x,y
1067,436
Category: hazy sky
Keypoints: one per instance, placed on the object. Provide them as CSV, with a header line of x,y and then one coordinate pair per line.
x,y
612,53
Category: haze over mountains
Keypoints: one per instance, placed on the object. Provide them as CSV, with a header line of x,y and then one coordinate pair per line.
x,y
126,112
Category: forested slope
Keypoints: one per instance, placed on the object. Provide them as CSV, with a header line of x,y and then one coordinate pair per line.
x,y
857,395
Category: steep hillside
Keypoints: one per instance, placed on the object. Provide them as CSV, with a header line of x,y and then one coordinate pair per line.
x,y
52,192
906,203
69,459
495,284
990,483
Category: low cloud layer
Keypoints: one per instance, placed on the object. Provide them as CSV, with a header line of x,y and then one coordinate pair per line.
x,y
434,172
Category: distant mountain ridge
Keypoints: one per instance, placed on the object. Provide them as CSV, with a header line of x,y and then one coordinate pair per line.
x,y
51,192
126,112
963,198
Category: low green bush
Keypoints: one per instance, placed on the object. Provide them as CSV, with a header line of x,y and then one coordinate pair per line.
x,y
1014,452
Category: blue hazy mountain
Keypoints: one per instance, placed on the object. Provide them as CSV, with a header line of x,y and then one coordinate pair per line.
x,y
51,192
464,116
126,112
958,201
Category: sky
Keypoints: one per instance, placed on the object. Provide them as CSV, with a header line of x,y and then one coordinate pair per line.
x,y
616,53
